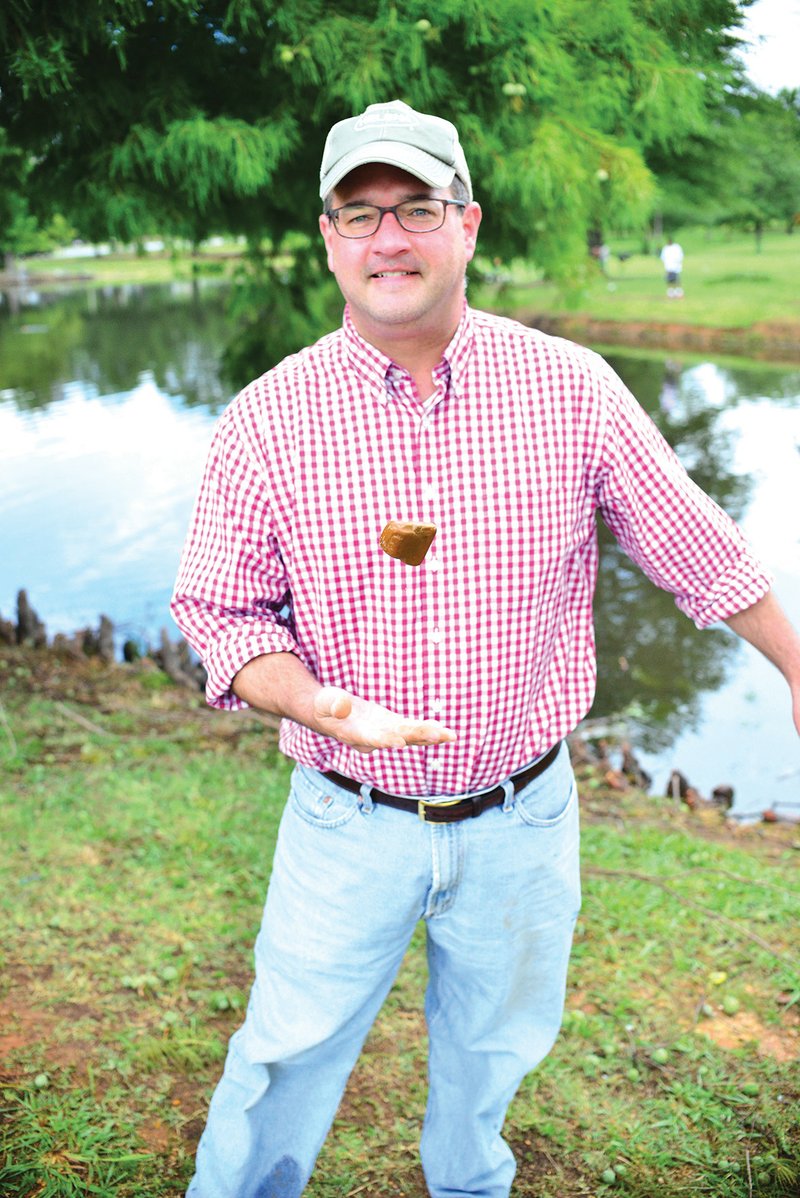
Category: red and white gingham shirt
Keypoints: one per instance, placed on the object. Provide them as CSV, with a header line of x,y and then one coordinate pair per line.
x,y
526,437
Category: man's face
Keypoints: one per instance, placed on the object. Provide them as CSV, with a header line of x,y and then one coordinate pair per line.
x,y
396,281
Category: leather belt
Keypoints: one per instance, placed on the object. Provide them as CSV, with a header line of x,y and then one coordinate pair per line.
x,y
460,806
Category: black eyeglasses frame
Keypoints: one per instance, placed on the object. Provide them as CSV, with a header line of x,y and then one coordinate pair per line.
x,y
332,214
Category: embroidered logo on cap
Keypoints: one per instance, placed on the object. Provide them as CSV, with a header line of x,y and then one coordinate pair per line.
x,y
401,120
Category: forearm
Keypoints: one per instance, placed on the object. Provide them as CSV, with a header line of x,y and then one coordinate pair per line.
x,y
767,627
280,684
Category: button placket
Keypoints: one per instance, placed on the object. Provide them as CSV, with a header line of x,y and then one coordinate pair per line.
x,y
430,493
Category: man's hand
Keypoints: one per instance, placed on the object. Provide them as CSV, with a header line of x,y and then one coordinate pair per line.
x,y
281,684
368,726
766,626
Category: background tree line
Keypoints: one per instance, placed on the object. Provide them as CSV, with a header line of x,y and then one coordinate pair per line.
x,y
189,119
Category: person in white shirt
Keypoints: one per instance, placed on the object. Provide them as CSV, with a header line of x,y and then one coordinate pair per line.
x,y
672,258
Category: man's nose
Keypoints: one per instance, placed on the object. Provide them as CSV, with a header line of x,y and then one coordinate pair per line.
x,y
390,233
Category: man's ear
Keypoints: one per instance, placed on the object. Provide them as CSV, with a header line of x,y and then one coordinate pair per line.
x,y
471,221
328,233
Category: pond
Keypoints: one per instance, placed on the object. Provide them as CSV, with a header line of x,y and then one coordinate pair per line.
x,y
107,402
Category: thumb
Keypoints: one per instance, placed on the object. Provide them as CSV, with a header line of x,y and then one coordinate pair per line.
x,y
333,702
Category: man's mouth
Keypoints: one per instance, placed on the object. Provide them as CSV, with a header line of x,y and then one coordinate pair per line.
x,y
392,274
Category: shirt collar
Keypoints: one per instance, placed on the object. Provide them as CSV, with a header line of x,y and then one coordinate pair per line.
x,y
368,361
459,350
376,368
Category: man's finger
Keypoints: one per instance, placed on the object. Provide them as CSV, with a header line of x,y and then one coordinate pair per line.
x,y
427,732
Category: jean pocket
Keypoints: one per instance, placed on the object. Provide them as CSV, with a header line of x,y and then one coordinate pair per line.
x,y
546,806
320,803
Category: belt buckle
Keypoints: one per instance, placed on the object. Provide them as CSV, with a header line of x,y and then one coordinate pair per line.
x,y
422,805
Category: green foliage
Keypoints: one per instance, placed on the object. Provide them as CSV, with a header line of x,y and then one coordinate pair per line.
x,y
200,118
764,177
20,230
743,170
211,116
203,159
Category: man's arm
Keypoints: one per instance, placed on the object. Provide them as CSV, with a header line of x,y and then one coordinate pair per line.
x,y
766,626
280,684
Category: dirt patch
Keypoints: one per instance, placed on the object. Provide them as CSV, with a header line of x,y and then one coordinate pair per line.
x,y
737,1031
770,340
28,1025
535,1162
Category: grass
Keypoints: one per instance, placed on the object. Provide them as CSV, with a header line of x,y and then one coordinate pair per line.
x,y
727,284
131,268
138,830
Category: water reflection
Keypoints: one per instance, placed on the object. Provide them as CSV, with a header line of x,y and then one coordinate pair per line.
x,y
104,338
651,659
107,400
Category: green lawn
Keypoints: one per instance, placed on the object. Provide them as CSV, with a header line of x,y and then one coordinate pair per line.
x,y
727,284
137,830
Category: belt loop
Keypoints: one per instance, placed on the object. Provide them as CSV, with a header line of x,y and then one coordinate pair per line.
x,y
365,802
508,787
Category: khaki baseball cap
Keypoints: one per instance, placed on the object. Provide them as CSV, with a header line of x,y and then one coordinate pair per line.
x,y
425,146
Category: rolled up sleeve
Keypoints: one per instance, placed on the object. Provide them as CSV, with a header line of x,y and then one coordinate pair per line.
x,y
682,540
231,598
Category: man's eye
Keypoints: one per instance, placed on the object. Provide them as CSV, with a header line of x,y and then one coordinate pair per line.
x,y
357,216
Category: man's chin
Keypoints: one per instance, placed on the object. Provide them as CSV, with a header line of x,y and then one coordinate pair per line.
x,y
394,313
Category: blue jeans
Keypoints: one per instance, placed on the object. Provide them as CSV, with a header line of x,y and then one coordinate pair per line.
x,y
499,894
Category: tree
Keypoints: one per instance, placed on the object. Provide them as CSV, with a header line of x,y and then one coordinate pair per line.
x,y
765,173
743,170
205,117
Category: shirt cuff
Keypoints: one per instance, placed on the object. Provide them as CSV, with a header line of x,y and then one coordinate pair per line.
x,y
736,589
231,654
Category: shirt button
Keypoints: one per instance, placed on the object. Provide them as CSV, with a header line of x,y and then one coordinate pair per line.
x,y
436,636
434,564
435,764
436,706
430,493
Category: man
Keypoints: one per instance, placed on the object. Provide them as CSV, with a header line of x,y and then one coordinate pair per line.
x,y
425,705
672,260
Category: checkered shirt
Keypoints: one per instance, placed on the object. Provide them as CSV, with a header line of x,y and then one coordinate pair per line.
x,y
526,438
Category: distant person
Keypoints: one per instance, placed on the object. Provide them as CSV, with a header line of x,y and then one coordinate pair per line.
x,y
601,253
672,258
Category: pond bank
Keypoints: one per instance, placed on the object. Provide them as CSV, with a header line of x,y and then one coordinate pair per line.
x,y
59,667
762,341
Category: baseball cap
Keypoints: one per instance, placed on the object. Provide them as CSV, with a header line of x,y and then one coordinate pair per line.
x,y
425,146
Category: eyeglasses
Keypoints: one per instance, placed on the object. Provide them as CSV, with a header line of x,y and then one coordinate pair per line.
x,y
415,216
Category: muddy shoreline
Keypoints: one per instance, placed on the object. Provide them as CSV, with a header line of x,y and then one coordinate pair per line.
x,y
767,341
596,748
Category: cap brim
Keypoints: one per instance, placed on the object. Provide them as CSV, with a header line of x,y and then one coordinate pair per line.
x,y
393,153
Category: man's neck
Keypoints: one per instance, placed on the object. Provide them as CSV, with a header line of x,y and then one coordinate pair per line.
x,y
415,349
